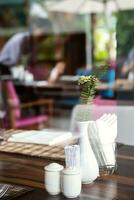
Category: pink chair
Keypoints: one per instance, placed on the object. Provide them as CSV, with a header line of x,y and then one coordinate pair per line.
x,y
102,106
14,106
104,102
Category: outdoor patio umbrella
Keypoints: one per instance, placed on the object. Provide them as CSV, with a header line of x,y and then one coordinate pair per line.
x,y
75,6
89,6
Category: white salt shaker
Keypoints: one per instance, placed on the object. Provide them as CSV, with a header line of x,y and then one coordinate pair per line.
x,y
71,182
53,178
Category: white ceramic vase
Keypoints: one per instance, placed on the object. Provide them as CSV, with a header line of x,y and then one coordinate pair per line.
x,y
89,165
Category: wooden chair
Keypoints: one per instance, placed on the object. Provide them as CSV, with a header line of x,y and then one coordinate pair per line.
x,y
14,106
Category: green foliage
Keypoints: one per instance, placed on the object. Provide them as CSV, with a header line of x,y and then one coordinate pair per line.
x,y
125,32
101,55
88,87
103,37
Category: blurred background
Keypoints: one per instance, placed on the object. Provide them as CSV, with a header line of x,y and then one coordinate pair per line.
x,y
45,45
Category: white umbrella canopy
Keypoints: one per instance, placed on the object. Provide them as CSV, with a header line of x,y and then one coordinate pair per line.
x,y
75,6
89,6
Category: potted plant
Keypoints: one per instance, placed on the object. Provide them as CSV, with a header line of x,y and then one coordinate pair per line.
x,y
89,165
88,86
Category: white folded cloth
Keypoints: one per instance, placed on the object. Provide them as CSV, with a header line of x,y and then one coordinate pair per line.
x,y
46,136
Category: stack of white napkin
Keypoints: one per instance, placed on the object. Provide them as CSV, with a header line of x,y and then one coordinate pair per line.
x,y
102,135
45,136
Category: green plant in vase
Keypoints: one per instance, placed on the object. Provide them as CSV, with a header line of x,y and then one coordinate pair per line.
x,y
88,86
88,162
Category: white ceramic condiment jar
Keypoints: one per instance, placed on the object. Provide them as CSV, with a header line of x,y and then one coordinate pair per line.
x,y
71,182
53,178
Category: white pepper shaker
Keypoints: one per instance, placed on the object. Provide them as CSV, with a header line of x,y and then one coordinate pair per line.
x,y
53,178
71,182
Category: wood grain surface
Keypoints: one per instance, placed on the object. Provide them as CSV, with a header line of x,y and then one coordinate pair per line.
x,y
29,171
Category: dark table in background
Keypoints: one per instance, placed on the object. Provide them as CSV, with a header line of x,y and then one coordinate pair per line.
x,y
62,94
68,93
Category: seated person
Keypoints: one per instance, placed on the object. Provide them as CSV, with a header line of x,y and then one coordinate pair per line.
x,y
56,72
106,74
128,66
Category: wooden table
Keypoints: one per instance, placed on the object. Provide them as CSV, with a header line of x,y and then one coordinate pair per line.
x,y
119,84
63,90
29,171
